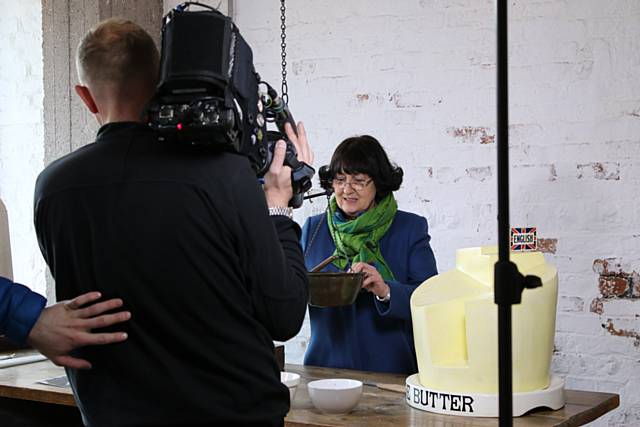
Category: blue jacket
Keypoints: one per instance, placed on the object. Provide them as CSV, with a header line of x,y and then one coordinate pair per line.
x,y
371,335
19,310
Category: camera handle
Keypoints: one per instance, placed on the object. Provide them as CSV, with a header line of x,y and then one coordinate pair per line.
x,y
301,173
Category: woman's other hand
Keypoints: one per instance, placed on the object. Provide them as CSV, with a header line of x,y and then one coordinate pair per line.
x,y
373,281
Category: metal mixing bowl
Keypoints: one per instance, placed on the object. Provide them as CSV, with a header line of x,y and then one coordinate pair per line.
x,y
334,289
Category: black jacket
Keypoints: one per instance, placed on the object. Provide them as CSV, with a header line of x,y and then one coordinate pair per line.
x,y
183,236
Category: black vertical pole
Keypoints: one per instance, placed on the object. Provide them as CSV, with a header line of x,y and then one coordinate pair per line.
x,y
503,285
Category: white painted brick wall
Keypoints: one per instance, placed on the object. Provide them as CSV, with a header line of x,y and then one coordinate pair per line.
x,y
420,76
21,132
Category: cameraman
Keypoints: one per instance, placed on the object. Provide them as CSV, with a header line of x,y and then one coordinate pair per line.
x,y
185,238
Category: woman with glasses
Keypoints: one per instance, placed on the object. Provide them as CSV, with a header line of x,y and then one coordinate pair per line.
x,y
365,230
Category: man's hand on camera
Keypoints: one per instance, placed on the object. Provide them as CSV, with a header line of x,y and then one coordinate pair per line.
x,y
277,181
67,325
299,141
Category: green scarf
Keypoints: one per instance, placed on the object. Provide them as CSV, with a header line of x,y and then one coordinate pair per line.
x,y
357,239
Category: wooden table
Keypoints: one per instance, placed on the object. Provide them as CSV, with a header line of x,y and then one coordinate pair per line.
x,y
376,408
389,409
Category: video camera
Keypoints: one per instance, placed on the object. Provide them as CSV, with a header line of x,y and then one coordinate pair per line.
x,y
210,95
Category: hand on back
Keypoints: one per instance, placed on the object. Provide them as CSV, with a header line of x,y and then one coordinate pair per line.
x,y
67,325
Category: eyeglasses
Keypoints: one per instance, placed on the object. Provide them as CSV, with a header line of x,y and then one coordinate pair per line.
x,y
356,184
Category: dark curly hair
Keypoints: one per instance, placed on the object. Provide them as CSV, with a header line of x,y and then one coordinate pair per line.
x,y
364,154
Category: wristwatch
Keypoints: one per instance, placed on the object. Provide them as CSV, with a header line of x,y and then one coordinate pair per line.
x,y
281,210
386,298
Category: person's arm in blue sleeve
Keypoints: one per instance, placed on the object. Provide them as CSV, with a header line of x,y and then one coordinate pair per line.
x,y
56,330
20,308
421,265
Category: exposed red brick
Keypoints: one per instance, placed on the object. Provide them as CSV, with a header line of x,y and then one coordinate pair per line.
x,y
469,134
622,332
487,139
604,171
597,306
613,281
362,97
601,266
547,246
611,172
613,286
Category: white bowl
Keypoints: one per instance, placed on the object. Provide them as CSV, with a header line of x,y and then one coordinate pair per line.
x,y
291,380
335,396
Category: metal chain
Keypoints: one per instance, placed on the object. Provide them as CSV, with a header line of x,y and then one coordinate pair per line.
x,y
283,26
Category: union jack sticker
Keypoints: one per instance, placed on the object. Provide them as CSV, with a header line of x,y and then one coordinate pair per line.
x,y
524,239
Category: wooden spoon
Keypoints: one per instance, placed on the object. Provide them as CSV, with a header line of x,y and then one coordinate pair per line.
x,y
397,388
323,264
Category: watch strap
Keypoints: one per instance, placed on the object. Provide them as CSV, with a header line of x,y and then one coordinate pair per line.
x,y
281,211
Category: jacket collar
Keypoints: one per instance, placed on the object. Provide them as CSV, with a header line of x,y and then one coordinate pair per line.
x,y
116,128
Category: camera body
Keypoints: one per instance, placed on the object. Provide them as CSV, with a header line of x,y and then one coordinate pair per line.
x,y
209,94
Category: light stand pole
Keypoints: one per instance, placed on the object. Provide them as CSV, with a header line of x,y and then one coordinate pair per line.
x,y
509,282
